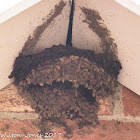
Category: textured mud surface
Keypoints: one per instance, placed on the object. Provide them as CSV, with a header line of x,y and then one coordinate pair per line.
x,y
24,64
96,24
63,82
59,102
75,69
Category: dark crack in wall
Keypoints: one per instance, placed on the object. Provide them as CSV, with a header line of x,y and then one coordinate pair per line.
x,y
69,35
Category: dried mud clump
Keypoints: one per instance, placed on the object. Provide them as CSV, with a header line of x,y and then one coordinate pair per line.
x,y
60,102
64,83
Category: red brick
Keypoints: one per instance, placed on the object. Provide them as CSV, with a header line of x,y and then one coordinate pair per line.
x,y
106,106
108,130
131,102
11,101
17,127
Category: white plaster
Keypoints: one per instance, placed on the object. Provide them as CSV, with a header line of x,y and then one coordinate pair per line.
x,y
125,29
15,31
10,8
82,36
133,5
56,33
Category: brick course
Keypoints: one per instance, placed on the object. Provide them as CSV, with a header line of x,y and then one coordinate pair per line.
x,y
111,127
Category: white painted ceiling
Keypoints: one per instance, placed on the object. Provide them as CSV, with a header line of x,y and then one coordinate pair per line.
x,y
136,1
10,8
133,5
7,4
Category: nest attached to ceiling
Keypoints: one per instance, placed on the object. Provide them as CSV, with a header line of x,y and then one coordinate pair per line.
x,y
64,83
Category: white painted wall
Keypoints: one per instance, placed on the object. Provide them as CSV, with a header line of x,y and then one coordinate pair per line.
x,y
123,24
136,1
133,5
125,29
10,8
7,4
15,31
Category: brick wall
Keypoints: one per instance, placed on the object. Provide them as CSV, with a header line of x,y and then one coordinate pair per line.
x,y
119,117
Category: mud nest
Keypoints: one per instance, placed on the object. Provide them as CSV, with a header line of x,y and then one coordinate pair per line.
x,y
65,82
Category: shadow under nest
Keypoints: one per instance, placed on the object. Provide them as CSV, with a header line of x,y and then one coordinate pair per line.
x,y
65,83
